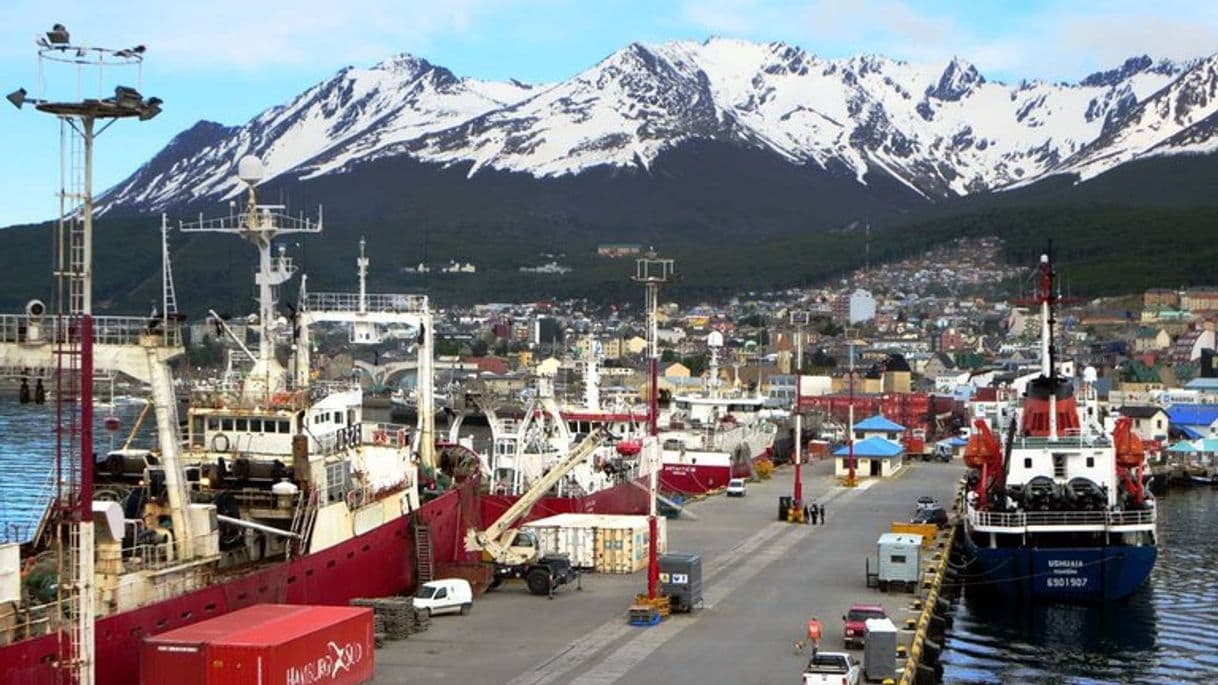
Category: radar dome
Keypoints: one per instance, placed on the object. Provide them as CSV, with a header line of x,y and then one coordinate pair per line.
x,y
1090,375
250,169
715,339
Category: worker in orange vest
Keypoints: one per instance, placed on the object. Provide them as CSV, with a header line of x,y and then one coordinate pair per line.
x,y
814,632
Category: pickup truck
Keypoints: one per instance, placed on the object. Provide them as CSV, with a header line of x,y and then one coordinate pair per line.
x,y
854,626
831,668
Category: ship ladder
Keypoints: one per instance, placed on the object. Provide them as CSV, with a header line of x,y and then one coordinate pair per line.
x,y
422,553
302,522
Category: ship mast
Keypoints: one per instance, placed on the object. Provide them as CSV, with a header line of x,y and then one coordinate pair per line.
x,y
261,225
1047,299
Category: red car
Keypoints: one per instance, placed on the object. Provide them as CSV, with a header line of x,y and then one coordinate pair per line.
x,y
855,622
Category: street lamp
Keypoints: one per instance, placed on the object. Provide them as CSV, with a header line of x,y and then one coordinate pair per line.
x,y
652,272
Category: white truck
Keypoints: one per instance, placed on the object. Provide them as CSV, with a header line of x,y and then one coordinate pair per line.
x,y
831,668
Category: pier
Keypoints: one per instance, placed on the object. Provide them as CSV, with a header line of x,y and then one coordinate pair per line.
x,y
763,580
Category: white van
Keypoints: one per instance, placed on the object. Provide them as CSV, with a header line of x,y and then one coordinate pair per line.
x,y
736,487
449,595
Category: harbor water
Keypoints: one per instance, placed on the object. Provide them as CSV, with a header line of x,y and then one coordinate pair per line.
x,y
27,457
1164,633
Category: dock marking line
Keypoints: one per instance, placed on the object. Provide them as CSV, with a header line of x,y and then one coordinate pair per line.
x,y
586,647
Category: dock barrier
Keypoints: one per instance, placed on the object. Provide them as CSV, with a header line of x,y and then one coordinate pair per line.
x,y
922,664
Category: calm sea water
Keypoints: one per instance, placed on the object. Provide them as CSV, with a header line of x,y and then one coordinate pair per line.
x,y
1164,633
27,458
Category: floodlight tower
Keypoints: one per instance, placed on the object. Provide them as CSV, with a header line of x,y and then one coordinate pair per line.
x,y
799,319
653,272
79,113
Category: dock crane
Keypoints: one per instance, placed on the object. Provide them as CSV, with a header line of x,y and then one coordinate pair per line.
x,y
516,553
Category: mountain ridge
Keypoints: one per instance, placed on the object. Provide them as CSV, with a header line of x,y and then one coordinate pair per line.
x,y
943,130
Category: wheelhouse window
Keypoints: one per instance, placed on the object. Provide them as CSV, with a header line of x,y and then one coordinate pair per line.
x,y
227,424
243,425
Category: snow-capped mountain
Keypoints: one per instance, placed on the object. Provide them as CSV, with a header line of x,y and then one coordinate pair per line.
x,y
353,114
941,130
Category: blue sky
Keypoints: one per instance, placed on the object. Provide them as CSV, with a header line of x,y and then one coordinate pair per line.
x,y
212,60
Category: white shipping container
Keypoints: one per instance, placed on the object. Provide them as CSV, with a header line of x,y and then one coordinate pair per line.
x,y
575,542
603,542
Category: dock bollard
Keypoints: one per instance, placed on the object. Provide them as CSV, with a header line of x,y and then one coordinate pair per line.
x,y
911,623
902,652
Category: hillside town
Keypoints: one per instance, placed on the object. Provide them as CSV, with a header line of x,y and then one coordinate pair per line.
x,y
932,344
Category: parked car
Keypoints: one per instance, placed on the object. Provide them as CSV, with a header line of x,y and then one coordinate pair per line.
x,y
933,514
446,595
736,487
831,668
927,501
855,622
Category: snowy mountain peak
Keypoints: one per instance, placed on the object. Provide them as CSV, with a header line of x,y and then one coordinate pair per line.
x,y
940,130
958,79
404,62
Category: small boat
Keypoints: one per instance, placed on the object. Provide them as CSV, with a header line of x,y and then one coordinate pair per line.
x,y
1210,480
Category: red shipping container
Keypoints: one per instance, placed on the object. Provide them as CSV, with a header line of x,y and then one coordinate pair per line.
x,y
266,644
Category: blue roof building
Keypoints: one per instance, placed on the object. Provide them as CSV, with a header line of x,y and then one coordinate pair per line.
x,y
878,427
874,456
1194,420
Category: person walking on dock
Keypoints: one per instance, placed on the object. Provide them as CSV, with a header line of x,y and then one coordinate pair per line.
x,y
813,511
821,512
807,515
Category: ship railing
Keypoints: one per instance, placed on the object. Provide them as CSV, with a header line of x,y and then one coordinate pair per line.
x,y
23,622
107,330
1065,519
319,390
380,303
150,556
388,434
1074,439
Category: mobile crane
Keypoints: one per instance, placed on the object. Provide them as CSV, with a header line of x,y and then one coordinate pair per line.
x,y
516,553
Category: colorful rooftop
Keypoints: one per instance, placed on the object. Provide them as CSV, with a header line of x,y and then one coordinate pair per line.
x,y
879,423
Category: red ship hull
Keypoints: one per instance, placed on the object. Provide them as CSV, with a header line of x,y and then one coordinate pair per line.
x,y
691,479
623,498
378,563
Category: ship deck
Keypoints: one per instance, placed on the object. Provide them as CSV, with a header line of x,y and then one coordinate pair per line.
x,y
762,581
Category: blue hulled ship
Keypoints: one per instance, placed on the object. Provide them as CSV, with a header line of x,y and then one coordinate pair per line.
x,y
1057,508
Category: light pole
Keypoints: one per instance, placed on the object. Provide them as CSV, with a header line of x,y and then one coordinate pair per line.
x,y
799,319
653,272
79,115
851,479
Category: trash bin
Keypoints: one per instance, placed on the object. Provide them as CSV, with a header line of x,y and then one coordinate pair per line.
x,y
784,507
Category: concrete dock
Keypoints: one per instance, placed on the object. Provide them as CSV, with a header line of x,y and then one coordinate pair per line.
x,y
763,581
